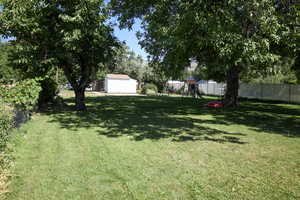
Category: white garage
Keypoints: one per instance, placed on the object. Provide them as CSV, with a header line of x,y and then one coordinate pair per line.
x,y
120,84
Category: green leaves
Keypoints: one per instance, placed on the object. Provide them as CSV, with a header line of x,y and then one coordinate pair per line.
x,y
6,71
72,35
23,94
127,62
217,33
6,124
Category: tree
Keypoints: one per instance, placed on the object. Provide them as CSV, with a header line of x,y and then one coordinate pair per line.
x,y
156,75
289,46
124,62
6,72
296,68
227,37
127,62
73,35
280,73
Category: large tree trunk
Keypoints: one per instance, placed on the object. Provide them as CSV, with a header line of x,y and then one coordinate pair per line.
x,y
80,99
232,88
78,87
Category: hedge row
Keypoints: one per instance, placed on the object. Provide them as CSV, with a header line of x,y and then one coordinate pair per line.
x,y
23,96
6,124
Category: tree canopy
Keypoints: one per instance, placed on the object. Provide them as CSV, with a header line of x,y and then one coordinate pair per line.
x,y
73,35
6,72
226,37
127,62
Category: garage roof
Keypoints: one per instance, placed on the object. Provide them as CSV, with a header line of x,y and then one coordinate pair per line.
x,y
118,76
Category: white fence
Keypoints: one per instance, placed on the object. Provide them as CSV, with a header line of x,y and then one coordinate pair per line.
x,y
175,86
212,88
277,92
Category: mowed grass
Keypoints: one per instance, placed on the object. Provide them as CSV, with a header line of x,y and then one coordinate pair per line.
x,y
158,148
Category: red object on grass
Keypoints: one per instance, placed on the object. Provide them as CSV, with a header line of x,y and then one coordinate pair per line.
x,y
214,104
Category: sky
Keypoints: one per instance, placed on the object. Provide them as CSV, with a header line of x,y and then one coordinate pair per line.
x,y
129,36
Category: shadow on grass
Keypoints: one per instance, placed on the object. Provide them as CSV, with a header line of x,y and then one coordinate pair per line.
x,y
165,117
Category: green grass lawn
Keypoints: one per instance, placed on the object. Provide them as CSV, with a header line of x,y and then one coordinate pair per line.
x,y
158,148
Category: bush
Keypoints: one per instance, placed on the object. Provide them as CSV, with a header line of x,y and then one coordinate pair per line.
x,y
149,89
6,124
23,95
48,92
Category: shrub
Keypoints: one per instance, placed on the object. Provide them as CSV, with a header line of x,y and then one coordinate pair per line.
x,y
149,89
48,92
6,124
23,95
